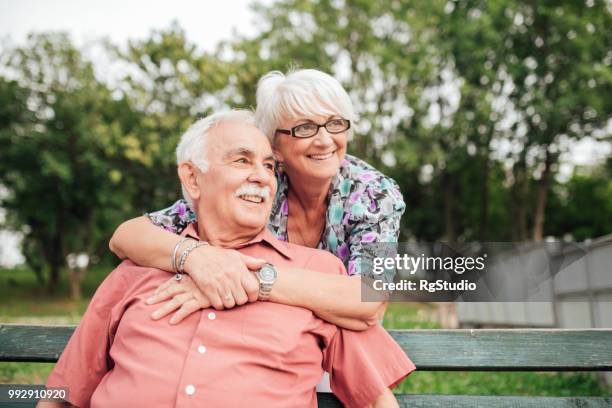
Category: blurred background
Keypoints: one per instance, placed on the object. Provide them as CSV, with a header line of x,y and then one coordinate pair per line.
x,y
495,118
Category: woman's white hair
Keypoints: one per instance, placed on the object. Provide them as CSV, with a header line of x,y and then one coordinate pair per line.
x,y
192,145
300,93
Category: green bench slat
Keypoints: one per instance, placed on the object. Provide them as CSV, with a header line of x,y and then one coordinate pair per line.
x,y
453,401
467,401
508,349
430,350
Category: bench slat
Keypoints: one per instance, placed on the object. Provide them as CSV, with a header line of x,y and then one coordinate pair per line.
x,y
430,350
508,349
469,401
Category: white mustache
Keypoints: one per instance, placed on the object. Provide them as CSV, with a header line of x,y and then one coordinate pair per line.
x,y
253,189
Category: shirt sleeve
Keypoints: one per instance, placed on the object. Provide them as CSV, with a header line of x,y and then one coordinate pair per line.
x,y
85,361
376,229
362,364
174,218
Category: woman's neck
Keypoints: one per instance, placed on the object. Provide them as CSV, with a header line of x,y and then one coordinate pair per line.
x,y
311,198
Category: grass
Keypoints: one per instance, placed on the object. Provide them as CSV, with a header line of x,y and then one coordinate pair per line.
x,y
24,301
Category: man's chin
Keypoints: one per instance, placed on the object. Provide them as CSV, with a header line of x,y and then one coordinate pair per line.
x,y
253,222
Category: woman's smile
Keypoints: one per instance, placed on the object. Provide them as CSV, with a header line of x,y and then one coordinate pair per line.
x,y
321,156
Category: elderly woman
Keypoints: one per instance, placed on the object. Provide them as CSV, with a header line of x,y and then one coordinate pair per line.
x,y
325,199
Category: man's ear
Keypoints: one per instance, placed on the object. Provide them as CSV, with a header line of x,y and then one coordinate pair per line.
x,y
277,155
188,173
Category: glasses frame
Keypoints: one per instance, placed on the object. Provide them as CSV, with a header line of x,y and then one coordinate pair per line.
x,y
292,130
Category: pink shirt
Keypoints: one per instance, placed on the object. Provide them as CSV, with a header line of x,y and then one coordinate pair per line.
x,y
261,354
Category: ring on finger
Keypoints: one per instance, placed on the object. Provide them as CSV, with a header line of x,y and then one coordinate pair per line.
x,y
178,277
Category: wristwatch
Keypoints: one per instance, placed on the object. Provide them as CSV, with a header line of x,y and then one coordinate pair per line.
x,y
267,276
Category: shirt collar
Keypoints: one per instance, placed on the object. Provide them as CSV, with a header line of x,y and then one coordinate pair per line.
x,y
264,236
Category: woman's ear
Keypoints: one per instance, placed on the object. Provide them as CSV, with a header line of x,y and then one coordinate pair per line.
x,y
188,173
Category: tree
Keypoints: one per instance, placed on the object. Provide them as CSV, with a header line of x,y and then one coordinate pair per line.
x,y
168,85
554,59
57,134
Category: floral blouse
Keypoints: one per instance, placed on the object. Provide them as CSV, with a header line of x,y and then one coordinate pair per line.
x,y
364,206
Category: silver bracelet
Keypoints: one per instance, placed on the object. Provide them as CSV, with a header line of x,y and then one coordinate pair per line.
x,y
176,248
186,252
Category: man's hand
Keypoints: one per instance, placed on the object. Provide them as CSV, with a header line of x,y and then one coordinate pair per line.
x,y
184,295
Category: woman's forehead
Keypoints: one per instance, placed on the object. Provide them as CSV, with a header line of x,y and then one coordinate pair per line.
x,y
317,117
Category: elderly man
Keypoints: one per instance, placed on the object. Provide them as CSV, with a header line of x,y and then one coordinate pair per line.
x,y
261,354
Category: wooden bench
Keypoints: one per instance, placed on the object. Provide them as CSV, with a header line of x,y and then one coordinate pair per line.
x,y
431,350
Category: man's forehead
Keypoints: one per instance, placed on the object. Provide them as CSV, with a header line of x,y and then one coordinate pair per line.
x,y
232,137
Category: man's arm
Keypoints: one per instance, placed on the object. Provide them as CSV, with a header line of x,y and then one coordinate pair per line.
x,y
85,361
364,366
385,400
54,404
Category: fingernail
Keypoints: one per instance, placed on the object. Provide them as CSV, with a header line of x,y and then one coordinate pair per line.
x,y
150,300
172,321
155,315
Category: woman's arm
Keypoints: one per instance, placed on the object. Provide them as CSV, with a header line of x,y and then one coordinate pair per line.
x,y
334,298
144,243
221,274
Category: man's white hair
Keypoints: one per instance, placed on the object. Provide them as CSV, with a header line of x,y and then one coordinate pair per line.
x,y
192,146
304,92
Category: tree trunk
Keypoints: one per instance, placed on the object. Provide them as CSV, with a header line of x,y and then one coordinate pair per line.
x,y
56,261
540,212
519,199
75,277
450,232
483,225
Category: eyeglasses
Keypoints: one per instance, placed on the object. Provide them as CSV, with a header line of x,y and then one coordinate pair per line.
x,y
310,129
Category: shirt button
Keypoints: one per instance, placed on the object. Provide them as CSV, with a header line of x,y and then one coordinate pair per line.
x,y
190,389
201,349
212,316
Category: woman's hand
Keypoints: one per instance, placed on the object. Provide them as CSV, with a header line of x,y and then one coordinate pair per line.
x,y
184,295
224,282
224,276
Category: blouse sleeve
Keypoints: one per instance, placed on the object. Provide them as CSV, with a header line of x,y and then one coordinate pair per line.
x,y
174,218
376,226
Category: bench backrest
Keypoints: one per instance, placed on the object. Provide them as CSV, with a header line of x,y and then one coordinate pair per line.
x,y
430,350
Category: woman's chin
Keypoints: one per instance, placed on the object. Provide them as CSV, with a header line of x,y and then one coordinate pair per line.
x,y
320,170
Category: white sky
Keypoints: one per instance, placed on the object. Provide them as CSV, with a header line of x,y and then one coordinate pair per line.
x,y
205,22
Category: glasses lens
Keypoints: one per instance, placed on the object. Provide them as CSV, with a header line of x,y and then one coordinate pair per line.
x,y
306,130
337,125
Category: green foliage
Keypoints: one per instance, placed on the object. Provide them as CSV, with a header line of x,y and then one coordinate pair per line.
x,y
54,162
581,207
468,105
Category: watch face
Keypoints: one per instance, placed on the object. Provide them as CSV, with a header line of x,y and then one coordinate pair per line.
x,y
267,274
